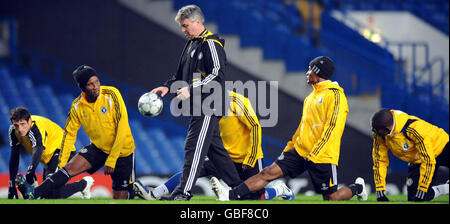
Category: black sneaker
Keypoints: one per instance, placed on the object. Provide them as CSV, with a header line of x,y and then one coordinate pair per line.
x,y
177,197
25,188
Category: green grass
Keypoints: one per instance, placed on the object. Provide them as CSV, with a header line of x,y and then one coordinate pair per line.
x,y
201,199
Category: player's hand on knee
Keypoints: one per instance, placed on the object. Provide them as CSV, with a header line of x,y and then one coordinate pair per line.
x,y
163,90
108,170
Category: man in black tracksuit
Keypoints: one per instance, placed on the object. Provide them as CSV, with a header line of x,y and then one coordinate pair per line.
x,y
201,66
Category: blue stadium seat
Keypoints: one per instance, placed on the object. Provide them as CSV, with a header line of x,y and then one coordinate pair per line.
x,y
142,167
166,149
56,113
66,100
229,18
251,29
419,106
9,89
4,162
178,142
274,41
4,117
210,9
177,4
31,99
298,51
148,150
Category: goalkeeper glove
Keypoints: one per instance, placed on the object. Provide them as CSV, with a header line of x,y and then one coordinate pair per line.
x,y
12,191
381,196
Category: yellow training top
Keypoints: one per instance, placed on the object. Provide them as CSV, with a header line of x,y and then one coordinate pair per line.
x,y
412,140
105,121
43,132
318,137
241,131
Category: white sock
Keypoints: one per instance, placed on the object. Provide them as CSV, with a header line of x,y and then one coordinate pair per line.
x,y
160,191
440,190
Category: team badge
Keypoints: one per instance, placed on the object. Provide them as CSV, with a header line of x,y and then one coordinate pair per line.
x,y
103,110
409,182
83,150
320,100
405,146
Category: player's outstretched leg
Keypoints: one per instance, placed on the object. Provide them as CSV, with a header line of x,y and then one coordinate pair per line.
x,y
282,190
362,196
142,191
346,193
24,187
86,192
222,193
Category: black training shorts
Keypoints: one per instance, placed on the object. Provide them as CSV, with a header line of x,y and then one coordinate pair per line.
x,y
323,175
123,172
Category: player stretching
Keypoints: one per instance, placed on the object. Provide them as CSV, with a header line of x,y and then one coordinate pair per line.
x,y
241,133
102,112
315,145
413,140
40,137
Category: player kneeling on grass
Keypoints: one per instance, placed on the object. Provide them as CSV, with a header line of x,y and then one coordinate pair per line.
x,y
102,112
240,132
315,145
40,137
413,140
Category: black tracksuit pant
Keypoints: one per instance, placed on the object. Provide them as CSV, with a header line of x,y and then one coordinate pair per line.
x,y
203,139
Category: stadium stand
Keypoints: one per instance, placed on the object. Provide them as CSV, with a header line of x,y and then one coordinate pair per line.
x,y
271,25
155,153
159,142
362,67
435,12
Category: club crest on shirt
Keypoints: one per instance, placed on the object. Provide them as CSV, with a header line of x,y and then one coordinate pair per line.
x,y
320,100
104,110
405,146
83,150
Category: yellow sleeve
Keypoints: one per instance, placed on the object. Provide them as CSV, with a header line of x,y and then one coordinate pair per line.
x,y
380,158
70,135
334,126
425,156
247,116
121,130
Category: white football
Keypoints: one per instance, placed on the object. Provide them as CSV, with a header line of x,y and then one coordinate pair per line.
x,y
150,104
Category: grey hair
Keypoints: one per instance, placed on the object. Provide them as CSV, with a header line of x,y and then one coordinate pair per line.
x,y
191,12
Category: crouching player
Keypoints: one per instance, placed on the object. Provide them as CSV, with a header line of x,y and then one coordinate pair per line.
x,y
102,113
40,137
413,140
315,146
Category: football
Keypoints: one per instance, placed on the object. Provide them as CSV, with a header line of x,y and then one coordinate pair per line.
x,y
150,104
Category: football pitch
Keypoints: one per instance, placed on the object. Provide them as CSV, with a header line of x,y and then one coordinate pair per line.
x,y
202,199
